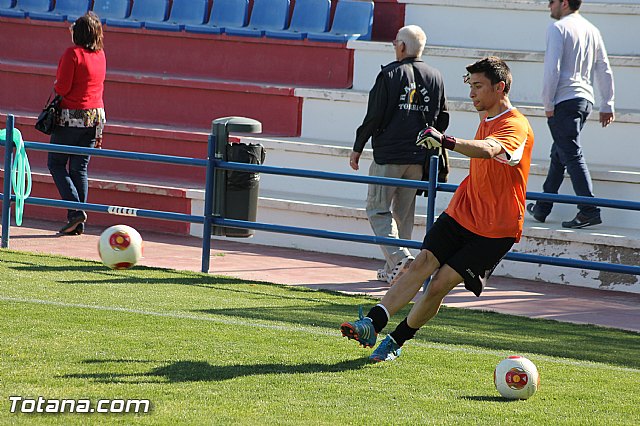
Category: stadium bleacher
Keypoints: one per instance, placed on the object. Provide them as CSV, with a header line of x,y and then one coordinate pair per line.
x,y
245,18
308,16
63,10
224,13
22,8
265,15
8,9
353,20
112,9
183,12
142,11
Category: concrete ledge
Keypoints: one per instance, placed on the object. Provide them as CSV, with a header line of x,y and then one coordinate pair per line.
x,y
455,104
470,52
622,7
354,209
600,244
525,22
342,150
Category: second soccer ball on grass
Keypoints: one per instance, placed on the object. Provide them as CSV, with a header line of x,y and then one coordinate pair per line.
x,y
120,247
516,377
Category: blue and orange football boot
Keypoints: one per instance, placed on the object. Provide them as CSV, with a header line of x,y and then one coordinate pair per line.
x,y
361,330
388,350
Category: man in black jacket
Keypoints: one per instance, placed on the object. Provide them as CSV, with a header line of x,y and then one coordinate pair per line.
x,y
407,96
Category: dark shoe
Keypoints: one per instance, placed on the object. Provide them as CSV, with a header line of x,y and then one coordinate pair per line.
x,y
531,209
361,330
388,350
79,229
582,221
72,224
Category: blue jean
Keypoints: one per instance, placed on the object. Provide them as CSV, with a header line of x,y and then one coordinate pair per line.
x,y
566,154
72,183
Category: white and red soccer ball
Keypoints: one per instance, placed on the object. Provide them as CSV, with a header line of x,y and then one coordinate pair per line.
x,y
120,247
516,377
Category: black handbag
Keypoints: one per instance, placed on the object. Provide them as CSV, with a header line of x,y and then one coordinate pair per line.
x,y
47,120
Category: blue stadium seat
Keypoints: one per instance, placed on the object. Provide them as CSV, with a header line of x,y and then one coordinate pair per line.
x,y
308,16
352,21
68,10
7,8
112,9
143,10
265,15
183,12
224,13
21,8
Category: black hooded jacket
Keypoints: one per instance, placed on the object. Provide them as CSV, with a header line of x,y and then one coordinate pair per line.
x,y
406,97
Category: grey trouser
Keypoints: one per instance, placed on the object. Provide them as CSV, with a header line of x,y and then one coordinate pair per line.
x,y
391,209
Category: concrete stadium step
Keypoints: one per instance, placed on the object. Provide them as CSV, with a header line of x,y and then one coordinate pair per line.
x,y
520,24
526,66
116,190
600,243
131,137
167,100
345,109
142,51
611,182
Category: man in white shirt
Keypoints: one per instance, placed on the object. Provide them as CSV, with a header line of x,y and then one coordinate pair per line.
x,y
575,57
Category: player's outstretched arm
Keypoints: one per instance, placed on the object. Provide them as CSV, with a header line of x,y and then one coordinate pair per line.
x,y
431,138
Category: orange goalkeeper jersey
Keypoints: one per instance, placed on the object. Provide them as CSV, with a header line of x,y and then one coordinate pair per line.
x,y
491,200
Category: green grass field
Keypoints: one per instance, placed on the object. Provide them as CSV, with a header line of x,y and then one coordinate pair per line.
x,y
214,350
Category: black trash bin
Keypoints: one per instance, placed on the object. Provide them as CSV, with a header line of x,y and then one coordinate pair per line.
x,y
241,199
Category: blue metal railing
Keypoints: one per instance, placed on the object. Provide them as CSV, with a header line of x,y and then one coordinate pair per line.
x,y
7,198
212,217
519,257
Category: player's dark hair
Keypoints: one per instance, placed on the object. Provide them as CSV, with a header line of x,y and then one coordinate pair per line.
x,y
574,4
495,69
87,32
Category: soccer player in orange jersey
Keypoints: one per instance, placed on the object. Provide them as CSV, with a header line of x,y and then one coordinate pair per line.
x,y
482,222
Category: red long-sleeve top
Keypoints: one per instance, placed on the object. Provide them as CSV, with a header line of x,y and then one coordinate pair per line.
x,y
80,78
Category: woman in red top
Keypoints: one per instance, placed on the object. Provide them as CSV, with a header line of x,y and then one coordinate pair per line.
x,y
80,81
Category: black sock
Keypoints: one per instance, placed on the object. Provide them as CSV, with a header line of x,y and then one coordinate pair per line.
x,y
379,318
403,332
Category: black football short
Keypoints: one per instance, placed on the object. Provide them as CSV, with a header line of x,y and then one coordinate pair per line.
x,y
473,256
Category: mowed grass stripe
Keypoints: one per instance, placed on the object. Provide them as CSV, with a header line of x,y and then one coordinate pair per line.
x,y
216,350
314,331
203,372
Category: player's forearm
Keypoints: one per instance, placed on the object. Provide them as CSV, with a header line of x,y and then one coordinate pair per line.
x,y
485,148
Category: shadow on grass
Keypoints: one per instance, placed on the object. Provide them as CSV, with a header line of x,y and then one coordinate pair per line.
x,y
304,307
490,330
484,398
118,361
200,371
